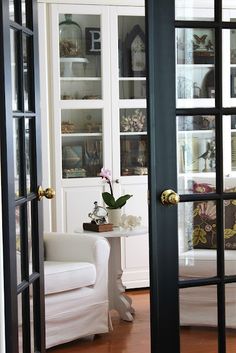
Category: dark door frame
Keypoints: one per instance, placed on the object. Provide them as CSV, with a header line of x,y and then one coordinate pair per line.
x,y
9,200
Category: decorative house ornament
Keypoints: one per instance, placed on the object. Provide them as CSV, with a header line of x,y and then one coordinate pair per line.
x,y
70,38
134,53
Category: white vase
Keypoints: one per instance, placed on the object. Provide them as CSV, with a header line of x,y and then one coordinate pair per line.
x,y
114,216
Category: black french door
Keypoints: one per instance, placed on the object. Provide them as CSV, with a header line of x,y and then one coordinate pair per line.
x,y
20,175
192,110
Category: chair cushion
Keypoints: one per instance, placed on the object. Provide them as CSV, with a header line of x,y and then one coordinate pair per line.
x,y
65,276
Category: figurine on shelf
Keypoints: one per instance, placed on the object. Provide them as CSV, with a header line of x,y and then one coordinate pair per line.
x,y
209,157
98,215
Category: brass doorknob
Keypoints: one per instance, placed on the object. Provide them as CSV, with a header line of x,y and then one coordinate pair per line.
x,y
169,197
49,193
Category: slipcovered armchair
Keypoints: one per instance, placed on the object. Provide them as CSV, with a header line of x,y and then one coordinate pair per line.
x,y
76,286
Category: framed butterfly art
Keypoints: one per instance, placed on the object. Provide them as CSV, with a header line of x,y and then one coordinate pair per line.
x,y
203,46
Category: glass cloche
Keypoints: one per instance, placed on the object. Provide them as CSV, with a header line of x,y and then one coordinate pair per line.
x,y
70,38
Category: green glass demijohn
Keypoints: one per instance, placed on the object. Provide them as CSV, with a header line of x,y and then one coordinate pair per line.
x,y
70,38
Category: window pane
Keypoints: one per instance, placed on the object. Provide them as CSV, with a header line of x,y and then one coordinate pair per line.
x,y
17,158
197,239
198,320
80,56
14,70
196,154
230,295
194,10
18,244
229,10
229,149
195,77
133,142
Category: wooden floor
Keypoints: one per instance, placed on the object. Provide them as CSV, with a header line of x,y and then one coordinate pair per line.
x,y
134,337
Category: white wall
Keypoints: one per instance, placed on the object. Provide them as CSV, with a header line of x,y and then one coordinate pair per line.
x,y
2,319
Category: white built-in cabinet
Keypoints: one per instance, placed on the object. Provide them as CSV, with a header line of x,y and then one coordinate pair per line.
x,y
94,104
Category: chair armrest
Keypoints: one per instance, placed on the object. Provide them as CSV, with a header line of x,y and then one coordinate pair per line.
x,y
74,247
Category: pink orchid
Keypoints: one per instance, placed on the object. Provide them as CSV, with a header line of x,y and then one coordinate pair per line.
x,y
105,174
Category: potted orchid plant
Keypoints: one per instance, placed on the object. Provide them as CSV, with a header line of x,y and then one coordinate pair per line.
x,y
113,205
108,197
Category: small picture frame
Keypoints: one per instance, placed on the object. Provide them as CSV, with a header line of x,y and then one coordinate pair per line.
x,y
233,82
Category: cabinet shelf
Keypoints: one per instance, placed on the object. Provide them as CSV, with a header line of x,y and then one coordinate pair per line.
x,y
195,65
132,78
133,133
74,60
83,134
197,132
80,78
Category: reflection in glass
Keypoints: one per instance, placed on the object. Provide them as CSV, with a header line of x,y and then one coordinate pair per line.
x,y
17,154
28,153
195,78
11,10
14,71
80,46
230,295
32,350
133,141
132,89
198,320
81,121
229,67
196,235
196,154
229,149
81,157
80,56
131,46
82,89
23,12
26,72
30,240
229,10
194,10
20,318
18,244
229,235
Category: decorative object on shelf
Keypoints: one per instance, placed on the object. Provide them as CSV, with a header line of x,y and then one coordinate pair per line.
x,y
99,220
140,171
209,157
72,156
134,122
203,46
93,40
196,90
130,222
98,215
114,205
67,127
74,173
134,62
70,38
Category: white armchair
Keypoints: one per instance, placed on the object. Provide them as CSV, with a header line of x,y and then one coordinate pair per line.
x,y
76,286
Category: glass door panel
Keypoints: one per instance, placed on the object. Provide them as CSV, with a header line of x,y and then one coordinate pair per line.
x,y
133,142
196,154
80,56
228,10
82,146
194,336
190,10
230,294
14,70
197,239
229,149
195,77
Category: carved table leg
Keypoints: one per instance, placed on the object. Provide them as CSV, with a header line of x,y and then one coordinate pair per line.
x,y
117,299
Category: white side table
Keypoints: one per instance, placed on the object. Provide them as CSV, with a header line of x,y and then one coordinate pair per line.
x,y
118,300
